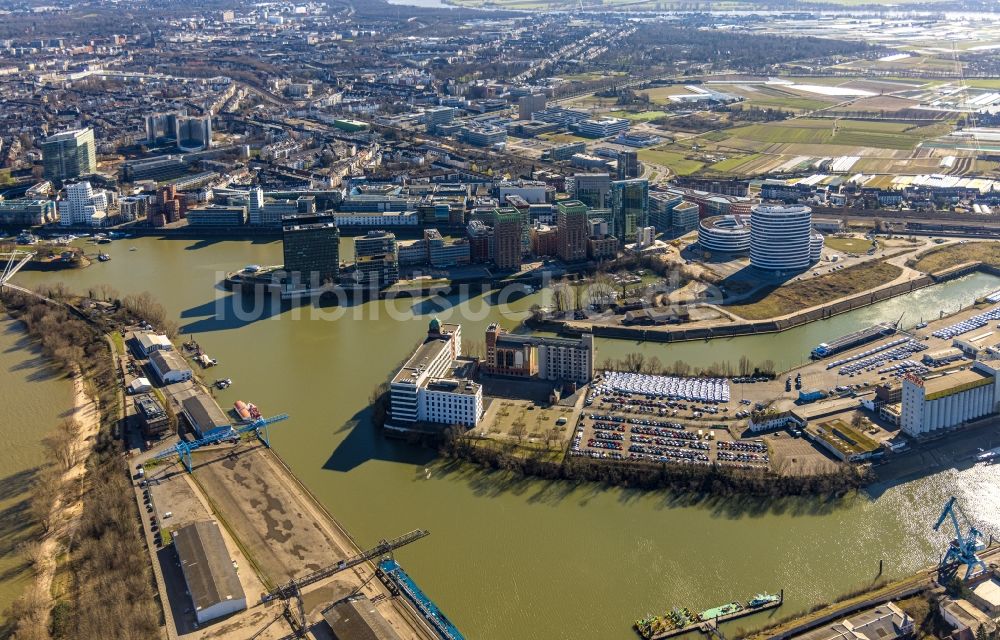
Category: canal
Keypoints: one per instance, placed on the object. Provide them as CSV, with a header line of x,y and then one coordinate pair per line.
x,y
528,559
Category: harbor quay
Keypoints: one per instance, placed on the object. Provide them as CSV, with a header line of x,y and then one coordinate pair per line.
x,y
222,569
870,396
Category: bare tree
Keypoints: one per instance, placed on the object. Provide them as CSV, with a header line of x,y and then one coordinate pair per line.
x,y
44,493
59,443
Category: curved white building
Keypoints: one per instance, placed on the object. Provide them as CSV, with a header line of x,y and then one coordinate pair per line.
x,y
781,238
815,247
725,234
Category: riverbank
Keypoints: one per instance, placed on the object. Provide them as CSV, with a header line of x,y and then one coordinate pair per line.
x,y
64,514
91,580
695,480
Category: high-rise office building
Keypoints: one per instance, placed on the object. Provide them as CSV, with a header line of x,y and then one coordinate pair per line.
x,y
528,105
507,238
69,154
189,133
661,209
312,249
629,208
193,133
572,230
591,189
628,165
376,259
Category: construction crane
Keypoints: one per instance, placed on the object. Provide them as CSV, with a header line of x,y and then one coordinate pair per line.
x,y
260,427
384,547
963,547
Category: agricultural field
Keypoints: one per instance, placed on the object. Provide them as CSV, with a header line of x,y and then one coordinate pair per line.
x,y
774,97
848,133
732,164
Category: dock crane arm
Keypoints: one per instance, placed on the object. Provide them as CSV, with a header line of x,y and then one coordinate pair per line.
x,y
293,587
944,513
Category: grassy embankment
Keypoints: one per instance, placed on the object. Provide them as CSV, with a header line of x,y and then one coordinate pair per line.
x,y
942,258
796,296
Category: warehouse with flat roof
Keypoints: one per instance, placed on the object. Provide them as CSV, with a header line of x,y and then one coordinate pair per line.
x,y
208,570
355,618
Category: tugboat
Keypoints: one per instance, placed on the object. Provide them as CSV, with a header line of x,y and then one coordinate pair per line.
x,y
762,599
103,257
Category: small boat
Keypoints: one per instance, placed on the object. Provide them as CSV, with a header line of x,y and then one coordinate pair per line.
x,y
223,383
26,237
205,361
103,257
131,248
762,599
104,241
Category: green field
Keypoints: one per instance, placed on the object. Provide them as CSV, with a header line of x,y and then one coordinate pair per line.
x,y
848,245
672,159
644,116
729,164
854,133
562,138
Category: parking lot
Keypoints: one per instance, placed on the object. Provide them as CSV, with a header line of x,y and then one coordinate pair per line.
x,y
689,427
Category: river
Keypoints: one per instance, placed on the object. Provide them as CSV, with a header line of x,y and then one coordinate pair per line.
x,y
528,559
33,398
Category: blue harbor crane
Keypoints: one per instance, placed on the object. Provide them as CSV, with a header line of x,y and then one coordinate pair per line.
x,y
260,428
964,547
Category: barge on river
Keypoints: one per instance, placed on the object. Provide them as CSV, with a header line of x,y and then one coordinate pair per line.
x,y
681,621
398,581
855,339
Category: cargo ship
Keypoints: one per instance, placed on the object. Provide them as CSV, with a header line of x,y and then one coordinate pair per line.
x,y
855,339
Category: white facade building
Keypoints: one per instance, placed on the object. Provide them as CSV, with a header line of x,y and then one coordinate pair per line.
x,y
83,206
782,238
427,389
947,401
567,359
381,219
725,234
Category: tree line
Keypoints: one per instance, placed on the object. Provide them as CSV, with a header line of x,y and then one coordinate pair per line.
x,y
111,592
715,480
